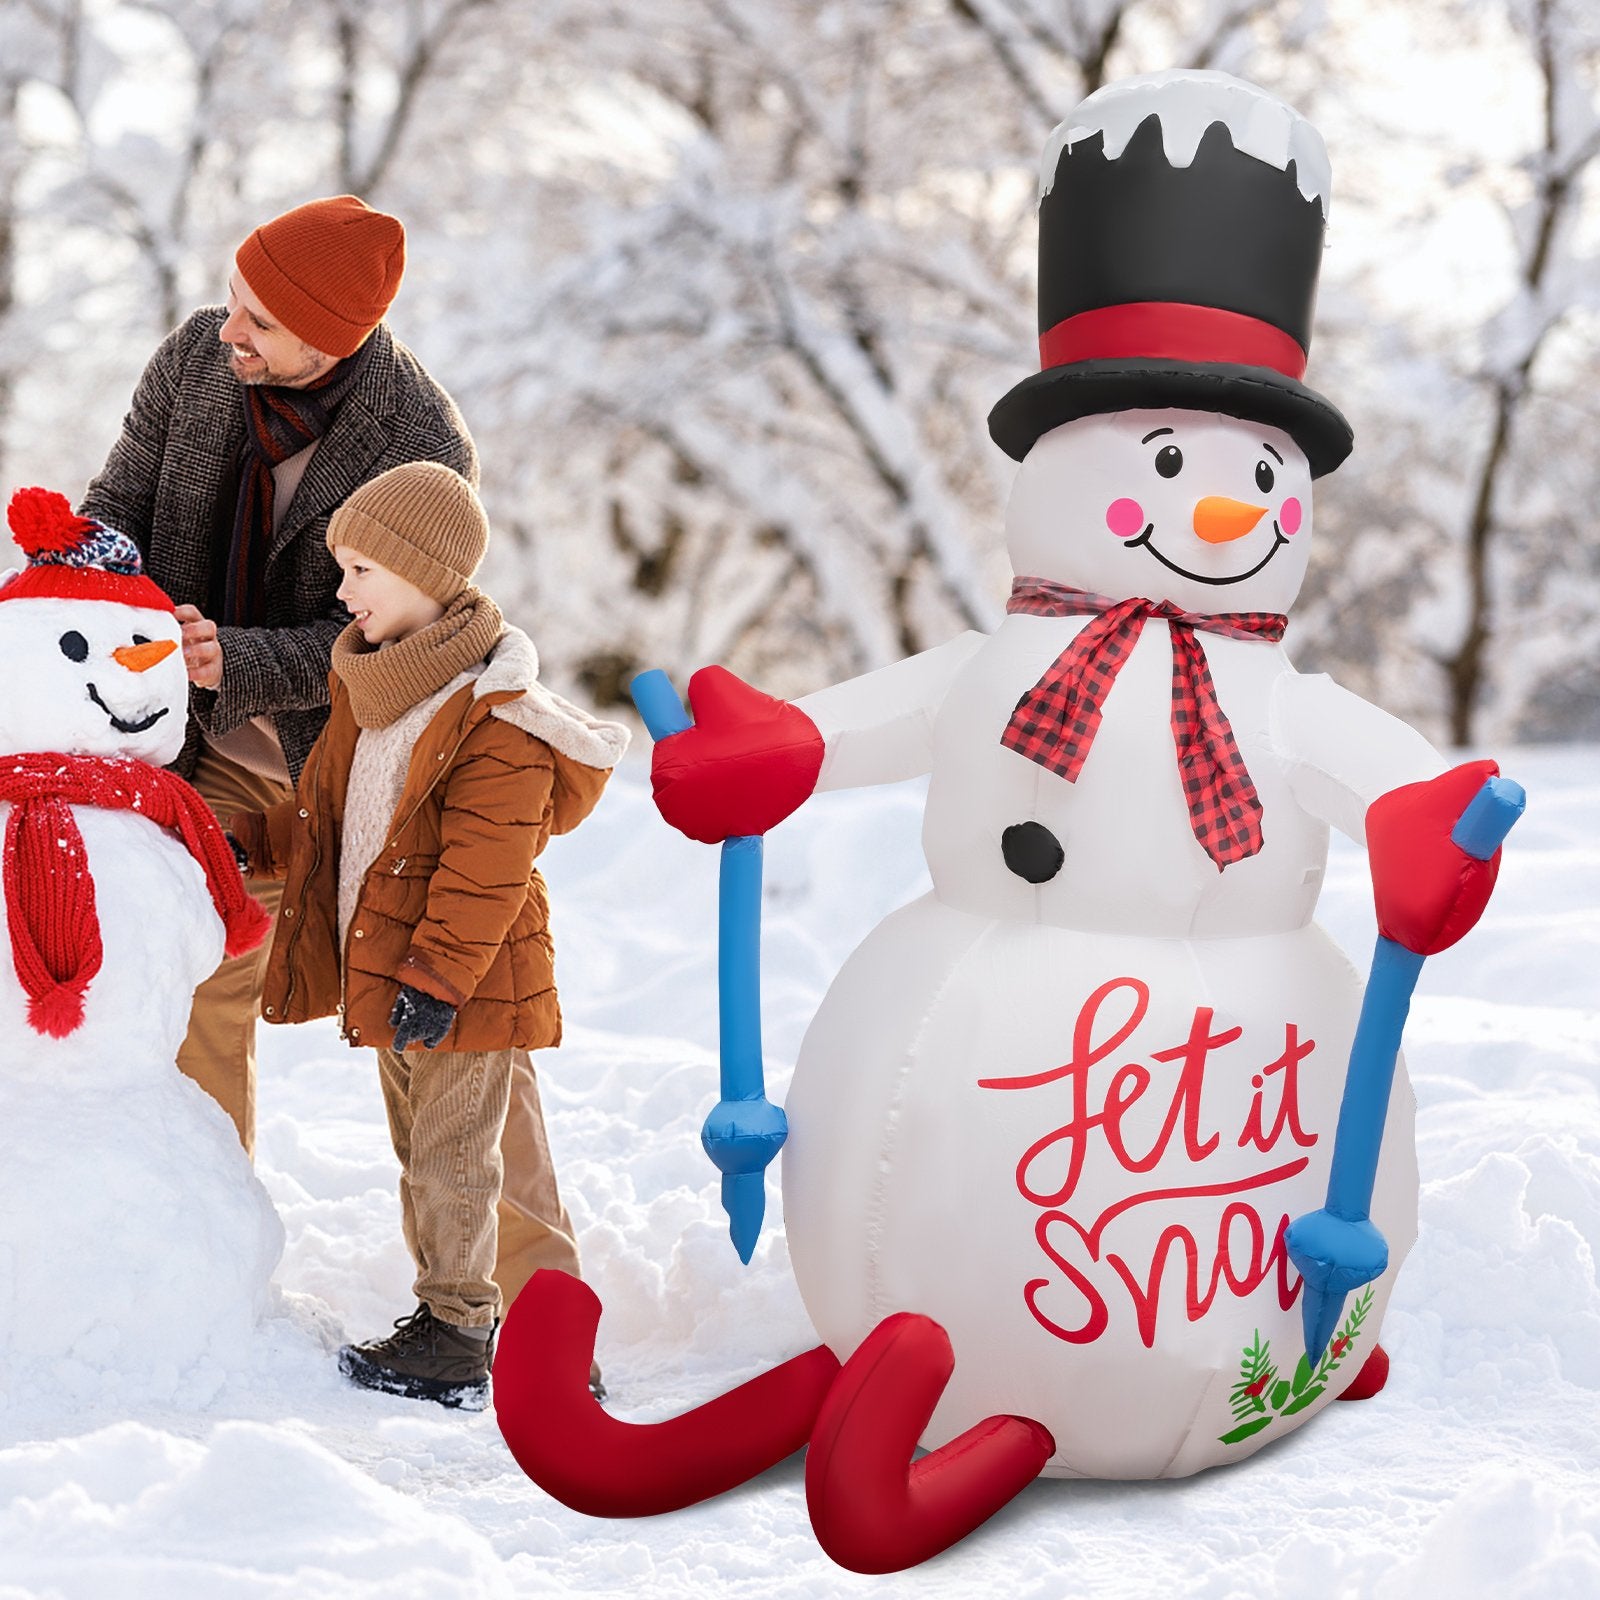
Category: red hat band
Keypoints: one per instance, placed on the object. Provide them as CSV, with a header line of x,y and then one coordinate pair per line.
x,y
1170,331
87,583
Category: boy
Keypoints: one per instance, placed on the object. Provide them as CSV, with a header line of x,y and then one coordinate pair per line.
x,y
412,907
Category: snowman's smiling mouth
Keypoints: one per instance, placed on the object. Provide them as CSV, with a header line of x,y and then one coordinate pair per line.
x,y
1278,542
127,727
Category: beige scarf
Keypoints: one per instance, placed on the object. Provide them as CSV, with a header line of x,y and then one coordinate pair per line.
x,y
385,681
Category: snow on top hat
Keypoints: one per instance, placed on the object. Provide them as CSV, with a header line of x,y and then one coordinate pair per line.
x,y
1181,217
74,558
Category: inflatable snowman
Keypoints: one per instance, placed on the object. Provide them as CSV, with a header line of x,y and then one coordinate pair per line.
x,y
135,1243
1052,1120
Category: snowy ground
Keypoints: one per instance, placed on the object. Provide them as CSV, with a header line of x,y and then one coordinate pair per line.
x,y
1474,1474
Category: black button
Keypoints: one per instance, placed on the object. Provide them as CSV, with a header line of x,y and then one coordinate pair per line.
x,y
1032,851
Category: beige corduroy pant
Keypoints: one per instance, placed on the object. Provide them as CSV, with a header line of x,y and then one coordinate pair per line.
x,y
476,1229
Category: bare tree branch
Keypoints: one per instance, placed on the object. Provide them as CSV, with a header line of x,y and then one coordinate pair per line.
x,y
1466,666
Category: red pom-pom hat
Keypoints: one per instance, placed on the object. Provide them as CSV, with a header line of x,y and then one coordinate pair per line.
x,y
75,558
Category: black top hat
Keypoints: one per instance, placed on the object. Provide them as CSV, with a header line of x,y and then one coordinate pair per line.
x,y
1175,286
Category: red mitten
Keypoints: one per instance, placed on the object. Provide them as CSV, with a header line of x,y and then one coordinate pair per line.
x,y
1429,891
747,762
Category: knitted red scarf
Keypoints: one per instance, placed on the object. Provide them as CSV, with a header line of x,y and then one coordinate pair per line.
x,y
49,891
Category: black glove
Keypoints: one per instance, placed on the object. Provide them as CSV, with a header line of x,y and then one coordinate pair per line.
x,y
240,854
418,1018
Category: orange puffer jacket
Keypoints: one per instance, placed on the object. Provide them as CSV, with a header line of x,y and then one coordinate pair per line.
x,y
453,904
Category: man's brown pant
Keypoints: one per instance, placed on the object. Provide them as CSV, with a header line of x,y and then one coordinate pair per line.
x,y
220,1055
219,1052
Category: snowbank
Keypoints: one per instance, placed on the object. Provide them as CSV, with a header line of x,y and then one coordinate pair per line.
x,y
1473,1474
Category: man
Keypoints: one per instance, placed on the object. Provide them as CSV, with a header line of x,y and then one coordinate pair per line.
x,y
250,426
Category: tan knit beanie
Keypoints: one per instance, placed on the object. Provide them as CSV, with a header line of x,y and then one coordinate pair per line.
x,y
420,520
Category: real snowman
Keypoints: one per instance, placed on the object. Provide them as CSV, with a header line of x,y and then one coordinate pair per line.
x,y
136,1245
1066,1105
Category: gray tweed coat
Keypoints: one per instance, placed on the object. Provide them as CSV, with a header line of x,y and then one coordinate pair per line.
x,y
169,484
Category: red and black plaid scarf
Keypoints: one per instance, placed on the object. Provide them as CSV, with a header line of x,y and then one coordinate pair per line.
x,y
278,423
49,891
1056,720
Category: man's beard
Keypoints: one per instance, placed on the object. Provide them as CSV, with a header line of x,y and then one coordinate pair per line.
x,y
311,369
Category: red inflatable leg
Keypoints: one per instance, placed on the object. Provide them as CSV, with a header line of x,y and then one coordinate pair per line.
x,y
1372,1376
605,1467
872,1508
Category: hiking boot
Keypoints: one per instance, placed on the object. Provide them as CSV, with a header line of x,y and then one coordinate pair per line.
x,y
423,1359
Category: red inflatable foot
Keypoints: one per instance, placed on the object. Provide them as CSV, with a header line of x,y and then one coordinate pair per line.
x,y
1372,1376
875,1511
604,1467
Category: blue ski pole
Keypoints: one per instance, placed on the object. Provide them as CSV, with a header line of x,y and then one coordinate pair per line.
x,y
1337,1248
745,1130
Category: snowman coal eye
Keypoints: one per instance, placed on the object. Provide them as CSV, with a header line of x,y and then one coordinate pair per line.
x,y
74,646
1264,478
139,638
1169,461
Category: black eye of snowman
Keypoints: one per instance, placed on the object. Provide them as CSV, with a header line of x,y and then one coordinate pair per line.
x,y
139,638
74,646
1169,461
1264,479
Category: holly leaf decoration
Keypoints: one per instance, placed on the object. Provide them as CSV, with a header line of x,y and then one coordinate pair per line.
x,y
1245,1429
1260,1397
1248,1395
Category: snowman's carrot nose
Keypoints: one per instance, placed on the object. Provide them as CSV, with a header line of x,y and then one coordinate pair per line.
x,y
1218,519
141,657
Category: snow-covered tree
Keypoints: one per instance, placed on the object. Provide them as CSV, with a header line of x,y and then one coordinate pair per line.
x,y
1461,586
804,275
726,291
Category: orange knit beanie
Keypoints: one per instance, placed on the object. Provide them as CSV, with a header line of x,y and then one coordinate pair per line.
x,y
326,270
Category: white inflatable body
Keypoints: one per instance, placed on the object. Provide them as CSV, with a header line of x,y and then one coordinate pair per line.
x,y
136,1244
1069,1120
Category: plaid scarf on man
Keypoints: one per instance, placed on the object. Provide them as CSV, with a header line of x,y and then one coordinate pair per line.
x,y
278,423
1056,720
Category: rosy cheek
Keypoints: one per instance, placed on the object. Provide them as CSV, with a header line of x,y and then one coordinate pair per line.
x,y
1124,518
1289,516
